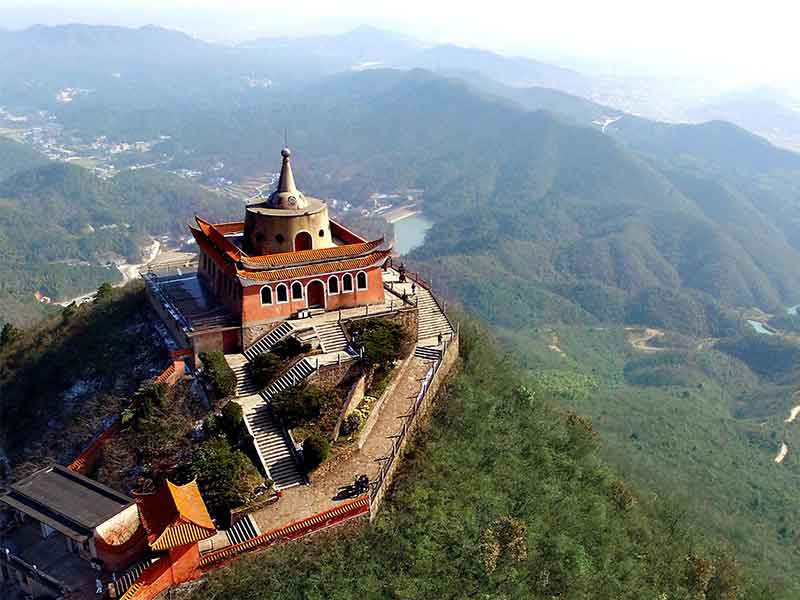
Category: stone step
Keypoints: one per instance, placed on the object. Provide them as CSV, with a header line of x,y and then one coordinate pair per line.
x,y
126,580
266,343
428,353
242,530
274,447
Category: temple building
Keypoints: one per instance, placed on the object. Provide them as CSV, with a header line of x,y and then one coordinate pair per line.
x,y
286,258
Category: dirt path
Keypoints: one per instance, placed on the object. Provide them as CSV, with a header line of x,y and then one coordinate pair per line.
x,y
555,344
782,453
793,414
641,338
324,492
128,271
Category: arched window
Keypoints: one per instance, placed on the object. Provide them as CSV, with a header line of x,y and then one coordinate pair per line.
x,y
266,295
282,293
361,280
333,284
297,291
347,283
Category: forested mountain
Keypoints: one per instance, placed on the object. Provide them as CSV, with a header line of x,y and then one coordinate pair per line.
x,y
557,230
682,226
64,224
659,223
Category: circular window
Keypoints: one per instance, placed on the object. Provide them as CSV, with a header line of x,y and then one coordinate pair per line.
x,y
321,233
279,238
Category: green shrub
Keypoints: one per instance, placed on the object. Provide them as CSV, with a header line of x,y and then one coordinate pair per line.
x,y
8,333
105,291
384,341
290,347
316,450
219,373
226,476
265,368
231,421
212,427
301,404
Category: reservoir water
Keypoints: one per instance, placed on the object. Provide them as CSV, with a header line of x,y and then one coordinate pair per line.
x,y
759,327
410,233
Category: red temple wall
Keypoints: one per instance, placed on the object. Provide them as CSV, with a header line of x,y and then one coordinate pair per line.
x,y
226,287
253,312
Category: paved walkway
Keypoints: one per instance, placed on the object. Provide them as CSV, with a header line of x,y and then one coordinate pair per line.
x,y
324,492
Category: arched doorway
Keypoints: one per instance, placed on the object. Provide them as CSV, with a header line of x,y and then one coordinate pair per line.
x,y
303,241
315,293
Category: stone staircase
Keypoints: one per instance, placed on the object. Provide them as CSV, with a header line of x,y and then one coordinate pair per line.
x,y
331,337
242,530
245,386
273,446
271,439
266,343
428,353
292,377
431,320
126,580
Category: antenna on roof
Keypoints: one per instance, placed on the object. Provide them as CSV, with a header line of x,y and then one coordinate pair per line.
x,y
285,137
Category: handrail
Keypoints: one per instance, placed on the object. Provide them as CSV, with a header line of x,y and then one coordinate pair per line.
x,y
417,278
397,441
293,530
20,564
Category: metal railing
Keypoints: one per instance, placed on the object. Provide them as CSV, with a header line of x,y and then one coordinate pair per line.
x,y
32,571
398,440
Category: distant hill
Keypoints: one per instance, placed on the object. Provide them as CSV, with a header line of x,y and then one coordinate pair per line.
x,y
761,110
64,224
360,47
532,202
16,157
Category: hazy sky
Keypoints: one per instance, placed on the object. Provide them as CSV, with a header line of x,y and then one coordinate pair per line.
x,y
737,42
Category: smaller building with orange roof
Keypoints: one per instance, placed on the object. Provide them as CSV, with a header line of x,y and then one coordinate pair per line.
x,y
175,515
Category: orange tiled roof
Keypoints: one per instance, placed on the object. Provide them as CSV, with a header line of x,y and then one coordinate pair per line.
x,y
316,269
175,516
343,233
283,259
211,250
216,237
231,227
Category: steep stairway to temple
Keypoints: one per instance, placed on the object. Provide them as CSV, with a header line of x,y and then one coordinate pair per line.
x,y
431,320
331,337
245,386
266,343
274,446
292,377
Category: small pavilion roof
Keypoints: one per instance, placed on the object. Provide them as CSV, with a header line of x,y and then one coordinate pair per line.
x,y
175,515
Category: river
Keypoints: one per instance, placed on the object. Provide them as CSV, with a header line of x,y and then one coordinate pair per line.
x,y
409,233
759,327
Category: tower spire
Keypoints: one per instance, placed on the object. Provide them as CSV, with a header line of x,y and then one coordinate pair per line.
x,y
286,180
286,194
